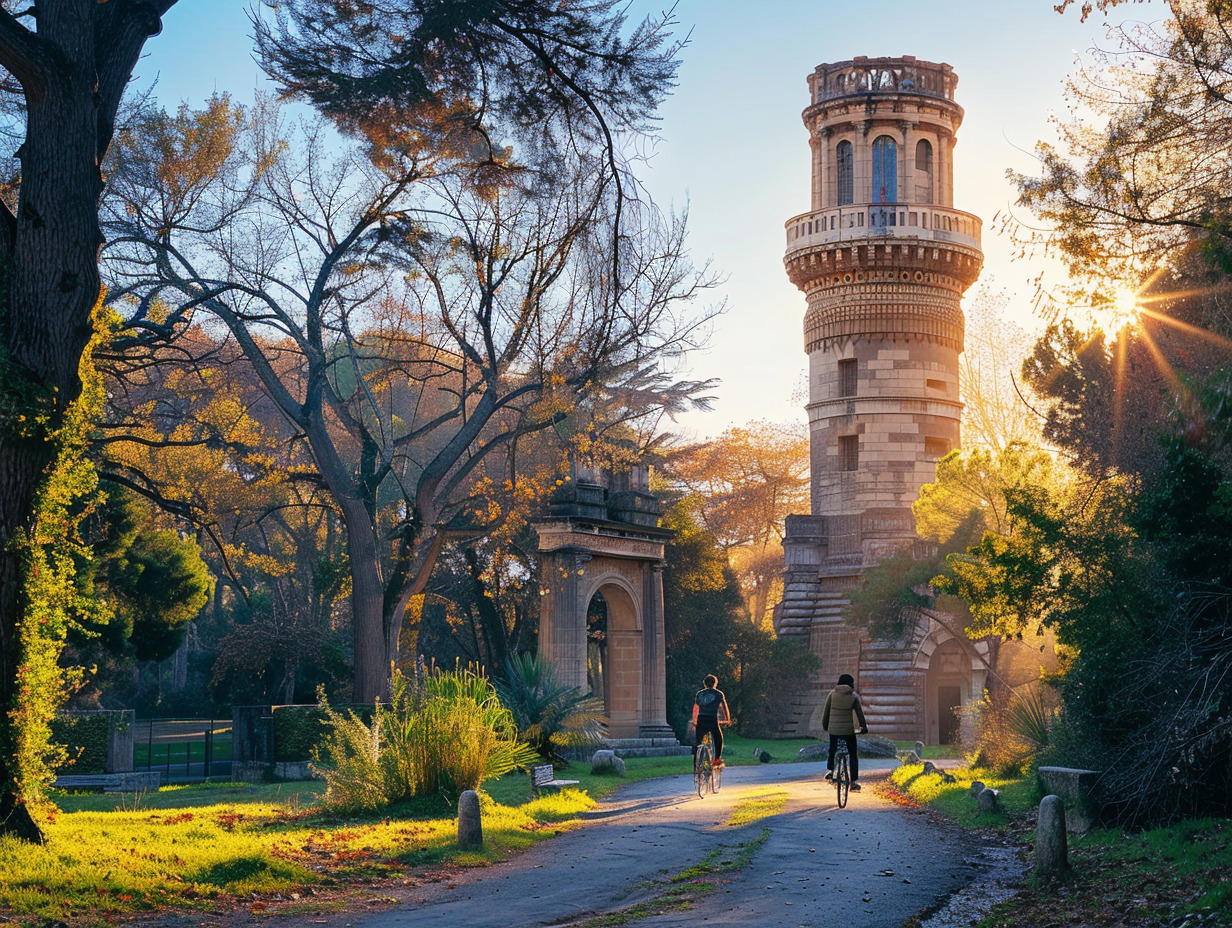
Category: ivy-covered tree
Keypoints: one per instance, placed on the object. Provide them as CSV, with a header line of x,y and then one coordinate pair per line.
x,y
63,73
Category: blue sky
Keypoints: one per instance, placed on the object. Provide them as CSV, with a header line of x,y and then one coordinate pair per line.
x,y
733,147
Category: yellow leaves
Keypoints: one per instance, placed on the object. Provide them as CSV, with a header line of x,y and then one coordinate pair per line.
x,y
191,148
241,556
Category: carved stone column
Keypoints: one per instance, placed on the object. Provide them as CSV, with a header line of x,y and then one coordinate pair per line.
x,y
944,177
654,666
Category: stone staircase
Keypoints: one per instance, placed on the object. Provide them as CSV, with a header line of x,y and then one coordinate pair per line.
x,y
825,613
647,747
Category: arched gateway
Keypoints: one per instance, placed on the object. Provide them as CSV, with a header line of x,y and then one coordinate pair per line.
x,y
602,556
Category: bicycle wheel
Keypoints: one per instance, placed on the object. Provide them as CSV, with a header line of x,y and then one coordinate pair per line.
x,y
842,779
716,777
702,769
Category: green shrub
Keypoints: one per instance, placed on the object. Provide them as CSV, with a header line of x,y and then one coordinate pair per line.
x,y
84,737
297,730
442,733
349,757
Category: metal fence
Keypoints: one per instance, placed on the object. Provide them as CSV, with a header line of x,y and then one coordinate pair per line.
x,y
185,750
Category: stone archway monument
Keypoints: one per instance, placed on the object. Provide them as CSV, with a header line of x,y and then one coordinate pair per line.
x,y
602,539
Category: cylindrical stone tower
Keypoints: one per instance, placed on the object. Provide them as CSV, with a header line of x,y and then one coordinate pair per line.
x,y
883,259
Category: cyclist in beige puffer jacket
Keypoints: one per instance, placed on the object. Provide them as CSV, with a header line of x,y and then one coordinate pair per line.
x,y
839,717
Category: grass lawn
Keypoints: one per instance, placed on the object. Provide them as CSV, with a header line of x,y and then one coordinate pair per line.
x,y
197,847
954,800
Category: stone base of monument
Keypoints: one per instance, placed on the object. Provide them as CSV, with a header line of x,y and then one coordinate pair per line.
x,y
647,747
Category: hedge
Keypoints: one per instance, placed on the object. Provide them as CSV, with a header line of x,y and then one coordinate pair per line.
x,y
85,738
297,729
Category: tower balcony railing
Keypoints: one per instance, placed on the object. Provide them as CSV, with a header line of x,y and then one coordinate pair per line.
x,y
859,222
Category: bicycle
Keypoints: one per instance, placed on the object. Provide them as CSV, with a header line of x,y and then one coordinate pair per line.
x,y
841,773
706,776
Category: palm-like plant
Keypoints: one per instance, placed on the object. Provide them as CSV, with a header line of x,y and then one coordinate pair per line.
x,y
551,716
1030,719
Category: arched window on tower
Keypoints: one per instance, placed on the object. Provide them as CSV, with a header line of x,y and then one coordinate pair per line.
x,y
885,170
846,184
924,171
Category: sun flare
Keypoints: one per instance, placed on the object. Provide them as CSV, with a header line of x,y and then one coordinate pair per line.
x,y
1125,305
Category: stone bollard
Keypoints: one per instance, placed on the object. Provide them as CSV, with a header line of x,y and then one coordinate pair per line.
x,y
977,787
1051,855
988,800
470,825
919,748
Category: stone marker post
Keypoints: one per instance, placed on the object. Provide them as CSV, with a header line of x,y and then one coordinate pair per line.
x,y
470,826
1051,855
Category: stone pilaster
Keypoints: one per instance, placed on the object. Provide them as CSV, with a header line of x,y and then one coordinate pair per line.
x,y
562,616
654,666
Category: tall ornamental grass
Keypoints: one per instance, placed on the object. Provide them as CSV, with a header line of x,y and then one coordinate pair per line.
x,y
442,732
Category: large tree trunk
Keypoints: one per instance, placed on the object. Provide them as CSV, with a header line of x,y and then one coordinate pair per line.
x,y
372,657
49,279
15,817
52,285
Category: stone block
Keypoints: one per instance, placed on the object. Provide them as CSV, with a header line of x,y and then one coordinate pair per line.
x,y
294,770
247,771
977,787
1079,791
470,824
919,748
989,800
910,757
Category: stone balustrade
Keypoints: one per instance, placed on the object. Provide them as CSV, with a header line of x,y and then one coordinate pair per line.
x,y
895,76
925,223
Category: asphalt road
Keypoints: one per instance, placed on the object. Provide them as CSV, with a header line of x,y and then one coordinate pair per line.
x,y
870,865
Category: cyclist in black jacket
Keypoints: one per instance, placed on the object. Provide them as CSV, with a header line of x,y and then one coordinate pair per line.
x,y
709,713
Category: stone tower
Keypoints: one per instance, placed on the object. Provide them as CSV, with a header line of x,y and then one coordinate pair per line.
x,y
883,259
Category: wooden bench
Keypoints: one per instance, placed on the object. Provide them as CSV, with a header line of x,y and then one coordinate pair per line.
x,y
544,777
130,782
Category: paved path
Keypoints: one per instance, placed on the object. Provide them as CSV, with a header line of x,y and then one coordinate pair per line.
x,y
871,865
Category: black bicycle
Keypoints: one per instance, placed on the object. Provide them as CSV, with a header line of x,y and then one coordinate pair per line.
x,y
841,773
706,775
